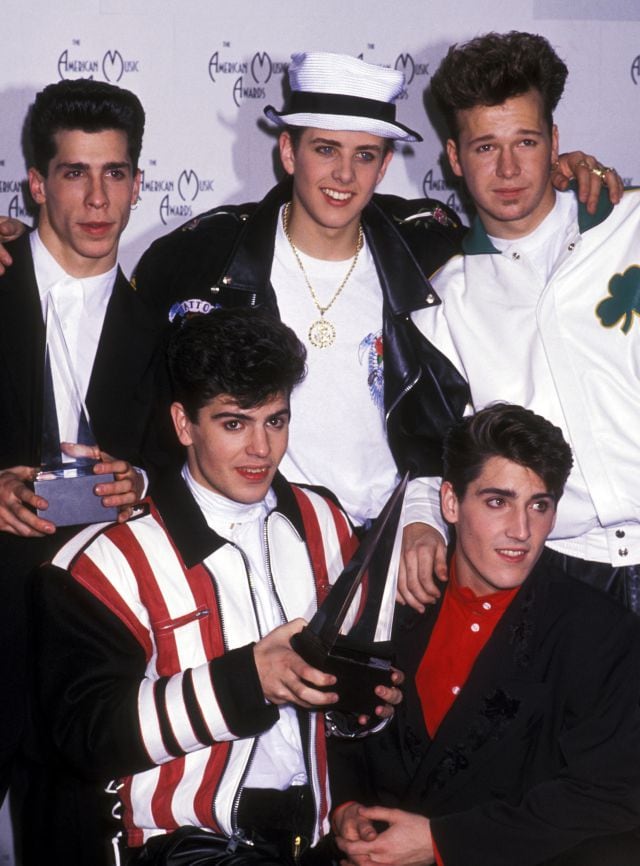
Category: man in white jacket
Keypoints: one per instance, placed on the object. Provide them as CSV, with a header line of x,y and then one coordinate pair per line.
x,y
539,310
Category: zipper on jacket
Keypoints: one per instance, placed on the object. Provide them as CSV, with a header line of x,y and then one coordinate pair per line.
x,y
310,752
267,558
225,639
401,395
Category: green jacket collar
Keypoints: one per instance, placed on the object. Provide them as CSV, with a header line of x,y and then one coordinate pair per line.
x,y
476,241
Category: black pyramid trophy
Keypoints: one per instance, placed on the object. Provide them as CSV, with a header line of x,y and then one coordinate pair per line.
x,y
66,479
361,660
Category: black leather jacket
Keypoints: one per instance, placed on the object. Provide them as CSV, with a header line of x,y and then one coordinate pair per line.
x,y
224,258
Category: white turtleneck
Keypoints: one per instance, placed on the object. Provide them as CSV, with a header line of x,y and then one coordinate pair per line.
x,y
278,761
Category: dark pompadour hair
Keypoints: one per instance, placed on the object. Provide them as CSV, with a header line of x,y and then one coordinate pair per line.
x,y
495,67
242,353
87,105
504,430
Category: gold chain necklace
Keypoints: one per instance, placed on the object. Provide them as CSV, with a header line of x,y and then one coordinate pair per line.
x,y
322,332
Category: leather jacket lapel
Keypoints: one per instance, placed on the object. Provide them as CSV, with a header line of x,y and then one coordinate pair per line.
x,y
22,343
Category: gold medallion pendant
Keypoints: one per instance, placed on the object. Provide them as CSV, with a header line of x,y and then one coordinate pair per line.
x,y
322,334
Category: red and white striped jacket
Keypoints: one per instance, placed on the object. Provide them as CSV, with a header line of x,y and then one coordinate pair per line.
x,y
172,702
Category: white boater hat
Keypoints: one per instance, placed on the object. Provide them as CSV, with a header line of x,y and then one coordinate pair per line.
x,y
339,92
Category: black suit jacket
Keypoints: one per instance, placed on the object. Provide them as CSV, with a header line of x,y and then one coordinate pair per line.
x,y
541,749
118,397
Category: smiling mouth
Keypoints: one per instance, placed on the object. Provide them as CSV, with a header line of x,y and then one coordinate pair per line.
x,y
336,195
512,554
254,473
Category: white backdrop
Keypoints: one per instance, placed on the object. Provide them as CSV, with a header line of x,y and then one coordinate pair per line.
x,y
205,69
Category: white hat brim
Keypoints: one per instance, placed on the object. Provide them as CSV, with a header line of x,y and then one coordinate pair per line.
x,y
343,122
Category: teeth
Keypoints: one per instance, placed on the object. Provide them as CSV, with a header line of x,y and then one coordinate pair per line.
x,y
338,196
513,553
253,471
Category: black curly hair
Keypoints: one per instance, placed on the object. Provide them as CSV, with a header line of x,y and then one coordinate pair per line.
x,y
245,354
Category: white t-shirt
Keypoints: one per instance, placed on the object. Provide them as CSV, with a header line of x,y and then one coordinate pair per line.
x,y
337,434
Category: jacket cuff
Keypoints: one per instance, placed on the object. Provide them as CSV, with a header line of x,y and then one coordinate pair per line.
x,y
236,684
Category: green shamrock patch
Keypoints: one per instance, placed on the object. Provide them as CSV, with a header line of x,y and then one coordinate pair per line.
x,y
624,301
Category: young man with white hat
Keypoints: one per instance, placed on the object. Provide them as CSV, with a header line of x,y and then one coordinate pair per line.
x,y
344,267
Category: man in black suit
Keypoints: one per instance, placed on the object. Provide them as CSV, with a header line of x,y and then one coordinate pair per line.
x,y
85,140
519,738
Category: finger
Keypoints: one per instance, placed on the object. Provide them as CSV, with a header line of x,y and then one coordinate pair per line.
x,y
412,592
118,487
76,450
389,694
120,500
5,260
125,512
308,674
402,583
303,696
440,566
114,467
378,813
613,182
21,521
421,589
558,179
397,677
310,697
593,195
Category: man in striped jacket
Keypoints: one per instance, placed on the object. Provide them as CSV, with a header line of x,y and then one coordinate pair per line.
x,y
164,657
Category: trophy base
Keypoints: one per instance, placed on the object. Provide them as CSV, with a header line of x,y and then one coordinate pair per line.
x,y
358,670
71,498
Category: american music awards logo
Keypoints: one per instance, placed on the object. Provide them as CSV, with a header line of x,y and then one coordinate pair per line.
x,y
434,185
411,69
111,66
249,78
177,194
12,192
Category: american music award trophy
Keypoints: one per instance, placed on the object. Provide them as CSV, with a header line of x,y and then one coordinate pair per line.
x,y
69,450
361,660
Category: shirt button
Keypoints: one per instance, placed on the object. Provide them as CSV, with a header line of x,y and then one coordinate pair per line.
x,y
515,256
455,690
475,627
571,247
486,605
619,533
623,551
430,298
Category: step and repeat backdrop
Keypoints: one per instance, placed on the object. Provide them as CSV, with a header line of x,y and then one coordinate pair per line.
x,y
205,70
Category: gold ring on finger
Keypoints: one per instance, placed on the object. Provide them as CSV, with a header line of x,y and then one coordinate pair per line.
x,y
599,172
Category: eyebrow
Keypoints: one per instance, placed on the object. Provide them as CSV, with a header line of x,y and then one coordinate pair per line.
x,y
240,416
507,493
107,166
320,140
491,136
